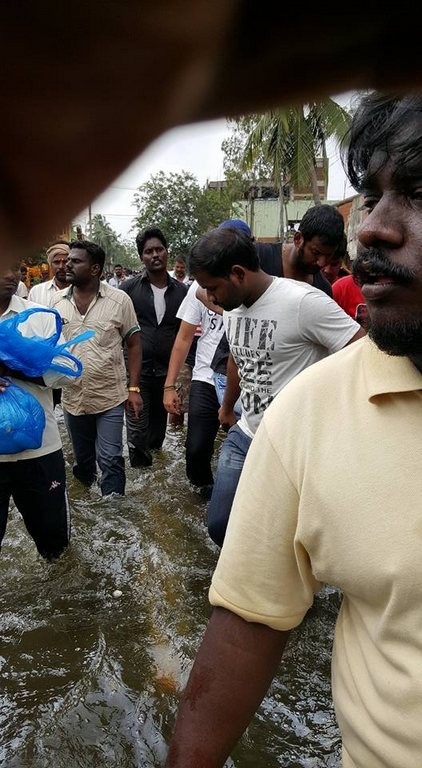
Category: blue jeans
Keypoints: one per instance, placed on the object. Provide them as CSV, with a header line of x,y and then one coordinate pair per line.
x,y
98,437
220,381
230,464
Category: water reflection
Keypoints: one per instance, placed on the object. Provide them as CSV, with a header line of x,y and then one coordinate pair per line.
x,y
96,647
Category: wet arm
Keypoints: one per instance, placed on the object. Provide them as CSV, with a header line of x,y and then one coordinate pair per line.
x,y
134,363
181,347
180,350
234,667
226,413
134,358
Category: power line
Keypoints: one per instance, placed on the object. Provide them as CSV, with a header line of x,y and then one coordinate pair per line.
x,y
126,215
126,189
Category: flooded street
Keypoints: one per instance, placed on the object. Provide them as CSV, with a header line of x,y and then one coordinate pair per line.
x,y
96,647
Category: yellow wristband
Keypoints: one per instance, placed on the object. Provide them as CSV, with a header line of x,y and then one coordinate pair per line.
x,y
134,389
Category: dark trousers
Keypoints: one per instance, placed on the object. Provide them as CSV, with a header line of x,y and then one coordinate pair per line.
x,y
148,432
57,397
202,430
98,437
38,488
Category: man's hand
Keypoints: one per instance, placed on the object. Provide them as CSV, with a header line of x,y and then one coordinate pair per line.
x,y
171,401
134,403
3,384
226,417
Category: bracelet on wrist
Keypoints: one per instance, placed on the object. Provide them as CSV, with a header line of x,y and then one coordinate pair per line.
x,y
169,387
134,389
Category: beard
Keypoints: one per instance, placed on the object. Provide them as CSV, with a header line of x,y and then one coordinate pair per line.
x,y
302,265
398,336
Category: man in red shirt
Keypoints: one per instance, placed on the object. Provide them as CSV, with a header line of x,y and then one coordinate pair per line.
x,y
348,295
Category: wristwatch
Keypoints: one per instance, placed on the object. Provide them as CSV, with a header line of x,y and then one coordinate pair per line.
x,y
134,389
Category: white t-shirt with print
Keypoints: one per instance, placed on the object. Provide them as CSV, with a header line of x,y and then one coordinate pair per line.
x,y
196,313
290,327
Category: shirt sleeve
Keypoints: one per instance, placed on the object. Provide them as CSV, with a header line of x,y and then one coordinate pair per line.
x,y
191,308
263,573
322,321
130,323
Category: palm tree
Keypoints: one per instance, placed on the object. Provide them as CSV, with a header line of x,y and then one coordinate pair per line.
x,y
290,139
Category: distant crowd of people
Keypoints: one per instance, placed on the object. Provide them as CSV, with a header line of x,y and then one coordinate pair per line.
x,y
259,340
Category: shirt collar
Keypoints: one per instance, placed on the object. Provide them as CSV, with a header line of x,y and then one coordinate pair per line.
x,y
102,290
16,304
145,277
386,374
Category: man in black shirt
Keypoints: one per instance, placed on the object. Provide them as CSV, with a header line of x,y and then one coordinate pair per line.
x,y
156,297
315,242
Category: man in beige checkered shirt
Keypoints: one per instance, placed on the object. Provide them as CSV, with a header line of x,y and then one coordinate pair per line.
x,y
94,405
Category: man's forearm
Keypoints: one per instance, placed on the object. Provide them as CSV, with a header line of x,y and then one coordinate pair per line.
x,y
134,359
232,672
232,391
179,353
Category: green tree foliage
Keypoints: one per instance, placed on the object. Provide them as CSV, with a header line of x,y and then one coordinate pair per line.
x,y
282,146
130,258
100,232
117,251
288,141
240,175
180,207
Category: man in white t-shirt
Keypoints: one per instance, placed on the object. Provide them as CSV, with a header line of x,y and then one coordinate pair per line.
x,y
276,327
203,403
44,293
118,277
179,272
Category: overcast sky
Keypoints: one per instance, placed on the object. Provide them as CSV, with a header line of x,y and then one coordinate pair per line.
x,y
194,148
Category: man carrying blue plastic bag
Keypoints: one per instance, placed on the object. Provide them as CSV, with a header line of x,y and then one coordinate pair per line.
x,y
33,477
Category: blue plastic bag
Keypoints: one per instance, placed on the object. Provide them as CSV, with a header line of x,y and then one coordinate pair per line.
x,y
22,420
34,355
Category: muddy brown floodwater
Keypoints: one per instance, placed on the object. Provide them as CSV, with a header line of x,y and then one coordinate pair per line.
x,y
96,647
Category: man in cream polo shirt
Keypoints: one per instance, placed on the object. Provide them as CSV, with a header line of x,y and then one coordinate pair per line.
x,y
331,492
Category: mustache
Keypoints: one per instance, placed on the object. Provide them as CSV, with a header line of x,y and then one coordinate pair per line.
x,y
373,263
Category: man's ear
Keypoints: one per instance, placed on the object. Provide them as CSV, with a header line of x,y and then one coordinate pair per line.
x,y
238,272
298,239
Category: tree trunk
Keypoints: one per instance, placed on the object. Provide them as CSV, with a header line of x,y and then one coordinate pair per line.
x,y
314,186
281,209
